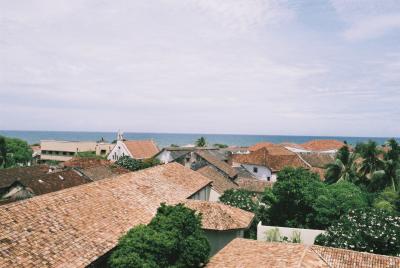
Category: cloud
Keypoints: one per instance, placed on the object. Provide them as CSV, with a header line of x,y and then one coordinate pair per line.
x,y
373,27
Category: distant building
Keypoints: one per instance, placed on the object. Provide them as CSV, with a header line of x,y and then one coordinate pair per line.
x,y
52,150
136,149
321,146
267,161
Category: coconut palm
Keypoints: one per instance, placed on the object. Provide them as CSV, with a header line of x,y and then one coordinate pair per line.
x,y
389,176
344,167
201,142
371,162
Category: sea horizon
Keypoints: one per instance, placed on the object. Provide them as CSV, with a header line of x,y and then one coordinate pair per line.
x,y
166,139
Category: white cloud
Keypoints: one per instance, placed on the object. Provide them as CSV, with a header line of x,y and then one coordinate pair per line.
x,y
373,27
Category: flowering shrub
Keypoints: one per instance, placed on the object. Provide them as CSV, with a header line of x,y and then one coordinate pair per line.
x,y
240,198
368,230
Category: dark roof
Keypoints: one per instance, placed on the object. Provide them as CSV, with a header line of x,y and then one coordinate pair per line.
x,y
9,175
220,165
220,182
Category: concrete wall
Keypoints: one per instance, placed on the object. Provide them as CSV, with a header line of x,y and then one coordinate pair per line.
x,y
164,157
307,235
214,195
203,194
219,239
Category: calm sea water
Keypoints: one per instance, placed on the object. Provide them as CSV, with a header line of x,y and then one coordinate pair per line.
x,y
166,139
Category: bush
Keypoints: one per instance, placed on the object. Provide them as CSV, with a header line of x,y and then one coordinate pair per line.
x,y
173,238
134,165
368,230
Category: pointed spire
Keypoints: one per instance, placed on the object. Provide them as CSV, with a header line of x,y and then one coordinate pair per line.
x,y
120,135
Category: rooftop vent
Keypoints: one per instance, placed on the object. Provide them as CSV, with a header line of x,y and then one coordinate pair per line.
x,y
41,181
61,177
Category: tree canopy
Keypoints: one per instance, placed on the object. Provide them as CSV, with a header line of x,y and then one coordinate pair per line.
x,y
173,238
201,142
14,152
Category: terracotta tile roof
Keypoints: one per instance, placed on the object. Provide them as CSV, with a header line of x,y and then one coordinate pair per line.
x,y
96,169
348,258
86,162
220,182
253,254
73,227
259,145
253,185
250,253
318,160
274,157
218,216
222,166
142,149
323,145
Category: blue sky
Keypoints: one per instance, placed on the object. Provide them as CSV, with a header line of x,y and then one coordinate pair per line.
x,y
203,66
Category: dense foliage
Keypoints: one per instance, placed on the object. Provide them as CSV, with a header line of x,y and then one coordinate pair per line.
x,y
173,238
134,165
245,200
220,145
90,155
369,230
14,152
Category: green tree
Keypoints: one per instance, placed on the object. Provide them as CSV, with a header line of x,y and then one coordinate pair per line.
x,y
201,142
89,154
368,230
336,200
388,176
16,152
344,168
369,152
388,200
173,238
291,201
3,151
220,145
245,200
134,165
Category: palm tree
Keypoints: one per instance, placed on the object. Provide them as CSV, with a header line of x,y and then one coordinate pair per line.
x,y
3,151
371,162
344,167
389,175
201,142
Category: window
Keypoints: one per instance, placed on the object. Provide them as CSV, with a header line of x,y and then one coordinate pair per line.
x,y
268,178
255,169
102,152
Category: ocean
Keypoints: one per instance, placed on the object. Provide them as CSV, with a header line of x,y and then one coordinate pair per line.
x,y
166,139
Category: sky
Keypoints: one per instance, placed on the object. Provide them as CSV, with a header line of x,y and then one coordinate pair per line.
x,y
289,67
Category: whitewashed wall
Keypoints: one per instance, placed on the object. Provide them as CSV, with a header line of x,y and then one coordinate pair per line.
x,y
262,173
214,195
118,151
165,157
307,235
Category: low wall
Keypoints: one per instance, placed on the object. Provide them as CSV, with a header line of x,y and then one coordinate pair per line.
x,y
307,235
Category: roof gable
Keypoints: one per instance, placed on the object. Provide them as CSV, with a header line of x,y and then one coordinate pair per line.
x,y
141,149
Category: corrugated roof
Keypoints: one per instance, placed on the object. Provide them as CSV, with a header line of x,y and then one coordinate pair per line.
x,y
251,253
218,216
142,149
73,227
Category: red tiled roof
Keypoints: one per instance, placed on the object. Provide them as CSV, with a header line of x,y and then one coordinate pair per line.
x,y
75,226
142,149
260,145
218,216
274,157
250,253
222,166
323,145
220,182
9,175
253,185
